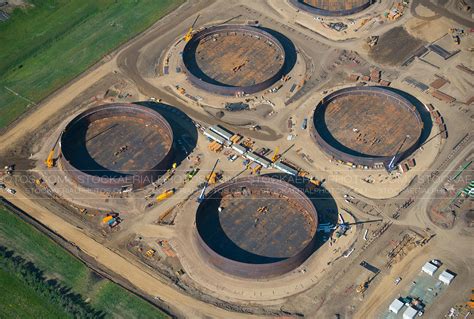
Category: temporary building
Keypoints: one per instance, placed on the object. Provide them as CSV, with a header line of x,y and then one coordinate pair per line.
x,y
429,268
410,313
446,277
396,306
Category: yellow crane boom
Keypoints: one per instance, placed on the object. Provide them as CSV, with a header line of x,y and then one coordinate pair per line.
x,y
189,34
50,159
276,154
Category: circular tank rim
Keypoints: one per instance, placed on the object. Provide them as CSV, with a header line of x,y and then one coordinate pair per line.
x,y
329,13
223,89
368,160
251,270
112,184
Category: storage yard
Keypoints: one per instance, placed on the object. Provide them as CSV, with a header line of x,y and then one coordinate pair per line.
x,y
264,160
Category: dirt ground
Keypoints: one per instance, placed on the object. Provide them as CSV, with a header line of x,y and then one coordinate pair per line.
x,y
394,47
326,284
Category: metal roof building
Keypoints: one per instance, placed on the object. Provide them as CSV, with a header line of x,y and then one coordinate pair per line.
x,y
429,268
239,149
222,131
213,136
285,168
259,159
410,313
396,306
446,277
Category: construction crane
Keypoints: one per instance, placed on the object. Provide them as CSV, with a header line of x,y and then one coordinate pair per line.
x,y
344,226
395,157
202,196
189,35
214,177
50,160
287,150
276,154
227,21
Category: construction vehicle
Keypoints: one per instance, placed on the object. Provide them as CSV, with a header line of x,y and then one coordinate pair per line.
x,y
50,161
202,195
9,169
190,174
456,35
276,155
372,41
106,219
235,138
395,158
303,173
109,217
150,253
342,226
215,146
262,210
114,222
255,167
363,286
189,34
471,302
214,177
316,182
248,143
165,195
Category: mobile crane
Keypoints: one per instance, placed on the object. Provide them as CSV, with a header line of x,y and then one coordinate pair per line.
x,y
50,160
276,155
393,162
189,35
202,195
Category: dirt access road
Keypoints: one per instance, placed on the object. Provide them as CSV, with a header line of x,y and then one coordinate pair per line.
x,y
148,283
459,260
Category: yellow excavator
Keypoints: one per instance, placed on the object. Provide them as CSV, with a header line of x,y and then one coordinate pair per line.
x,y
50,160
189,35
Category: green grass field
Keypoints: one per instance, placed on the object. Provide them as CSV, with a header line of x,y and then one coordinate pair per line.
x,y
17,300
56,262
53,41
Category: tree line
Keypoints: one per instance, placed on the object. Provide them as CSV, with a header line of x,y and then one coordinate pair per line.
x,y
51,289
